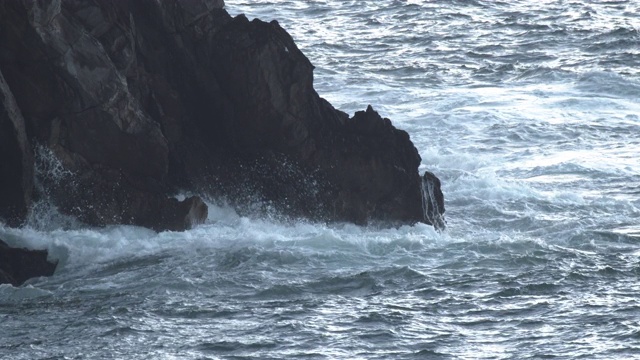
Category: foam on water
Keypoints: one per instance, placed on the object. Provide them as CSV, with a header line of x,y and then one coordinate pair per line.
x,y
82,248
529,114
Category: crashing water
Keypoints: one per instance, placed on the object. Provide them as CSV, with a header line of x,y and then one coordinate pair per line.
x,y
529,113
432,201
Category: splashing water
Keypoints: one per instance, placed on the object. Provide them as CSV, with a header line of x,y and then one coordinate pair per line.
x,y
528,113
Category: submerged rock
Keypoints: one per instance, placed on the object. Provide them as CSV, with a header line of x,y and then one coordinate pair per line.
x,y
19,265
142,99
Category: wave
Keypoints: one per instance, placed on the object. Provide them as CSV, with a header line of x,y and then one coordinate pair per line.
x,y
546,289
609,83
10,294
237,241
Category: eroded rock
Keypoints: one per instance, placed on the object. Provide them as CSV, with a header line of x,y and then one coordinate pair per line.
x,y
143,99
18,265
433,201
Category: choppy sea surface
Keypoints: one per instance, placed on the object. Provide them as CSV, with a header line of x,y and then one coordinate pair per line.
x,y
528,111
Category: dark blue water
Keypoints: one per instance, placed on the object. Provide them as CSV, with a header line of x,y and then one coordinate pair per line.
x,y
528,111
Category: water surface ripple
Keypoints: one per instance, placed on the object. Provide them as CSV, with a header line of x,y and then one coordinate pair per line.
x,y
529,112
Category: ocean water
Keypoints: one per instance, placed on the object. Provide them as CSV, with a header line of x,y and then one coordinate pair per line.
x,y
528,111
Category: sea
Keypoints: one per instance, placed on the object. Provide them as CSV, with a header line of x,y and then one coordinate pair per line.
x,y
528,112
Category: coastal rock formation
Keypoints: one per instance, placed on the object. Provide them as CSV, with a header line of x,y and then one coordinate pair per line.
x,y
433,201
18,265
76,100
16,159
141,99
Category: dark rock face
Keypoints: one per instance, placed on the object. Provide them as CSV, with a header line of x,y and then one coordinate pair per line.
x,y
138,99
19,265
433,201
16,159
77,101
368,168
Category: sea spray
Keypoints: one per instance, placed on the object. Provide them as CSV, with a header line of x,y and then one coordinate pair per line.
x,y
539,259
432,201
49,173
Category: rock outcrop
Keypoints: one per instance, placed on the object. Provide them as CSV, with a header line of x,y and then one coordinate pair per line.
x,y
16,159
18,265
140,99
75,99
433,201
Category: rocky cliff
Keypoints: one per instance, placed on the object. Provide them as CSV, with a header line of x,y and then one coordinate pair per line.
x,y
140,99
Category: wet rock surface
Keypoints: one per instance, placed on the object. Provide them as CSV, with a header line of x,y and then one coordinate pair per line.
x,y
17,265
139,100
16,159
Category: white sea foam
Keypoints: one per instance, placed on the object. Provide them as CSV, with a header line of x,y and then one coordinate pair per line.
x,y
9,293
527,113
224,228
